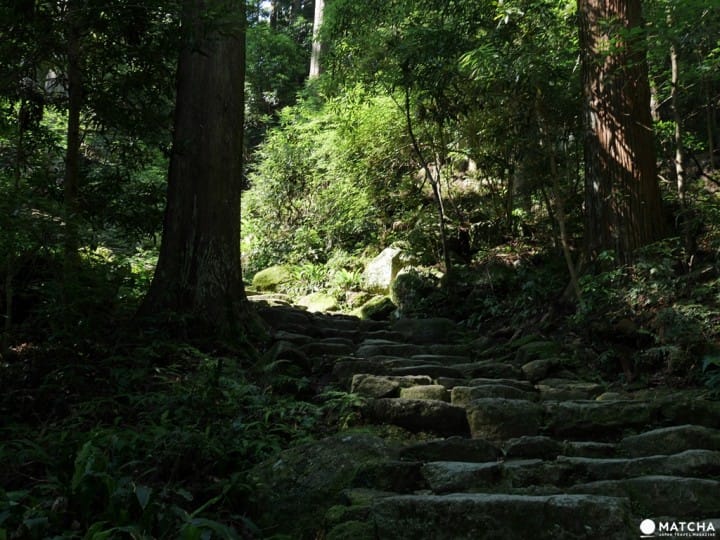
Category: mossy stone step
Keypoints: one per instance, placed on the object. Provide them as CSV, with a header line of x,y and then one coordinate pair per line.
x,y
671,439
419,415
502,516
690,498
464,395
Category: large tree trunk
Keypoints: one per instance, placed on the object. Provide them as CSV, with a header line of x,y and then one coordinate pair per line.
x,y
71,180
198,276
623,202
316,44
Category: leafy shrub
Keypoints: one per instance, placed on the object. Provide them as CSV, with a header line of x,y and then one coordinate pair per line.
x,y
327,178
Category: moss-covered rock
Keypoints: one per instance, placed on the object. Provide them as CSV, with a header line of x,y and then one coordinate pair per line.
x,y
318,302
294,489
377,308
271,278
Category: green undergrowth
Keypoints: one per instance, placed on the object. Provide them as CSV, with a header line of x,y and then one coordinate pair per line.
x,y
152,441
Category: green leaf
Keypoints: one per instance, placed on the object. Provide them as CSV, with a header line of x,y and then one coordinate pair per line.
x,y
143,494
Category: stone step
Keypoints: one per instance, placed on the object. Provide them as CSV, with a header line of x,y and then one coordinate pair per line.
x,y
464,395
612,418
454,476
689,498
510,517
567,389
547,448
671,439
385,386
520,384
419,415
452,448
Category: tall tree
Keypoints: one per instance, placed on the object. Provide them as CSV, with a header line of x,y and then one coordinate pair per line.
x,y
316,43
198,275
623,203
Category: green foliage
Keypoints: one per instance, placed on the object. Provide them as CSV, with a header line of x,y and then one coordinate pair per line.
x,y
711,372
152,443
321,181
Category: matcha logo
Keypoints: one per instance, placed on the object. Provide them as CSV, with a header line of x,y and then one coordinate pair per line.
x,y
677,529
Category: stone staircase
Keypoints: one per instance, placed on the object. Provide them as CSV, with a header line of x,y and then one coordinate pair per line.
x,y
503,441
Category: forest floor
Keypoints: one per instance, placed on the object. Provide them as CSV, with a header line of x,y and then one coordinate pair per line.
x,y
499,398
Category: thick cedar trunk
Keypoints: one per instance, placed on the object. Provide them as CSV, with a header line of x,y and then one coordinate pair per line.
x,y
623,202
198,275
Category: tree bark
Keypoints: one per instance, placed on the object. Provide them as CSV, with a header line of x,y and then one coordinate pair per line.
x,y
316,45
71,179
623,202
198,276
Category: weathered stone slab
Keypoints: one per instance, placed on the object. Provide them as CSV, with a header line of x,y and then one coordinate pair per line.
x,y
454,449
489,369
670,440
697,463
661,495
433,371
590,449
463,395
457,476
378,347
515,383
376,386
426,331
564,389
510,517
598,418
539,447
420,415
444,359
500,419
391,476
433,391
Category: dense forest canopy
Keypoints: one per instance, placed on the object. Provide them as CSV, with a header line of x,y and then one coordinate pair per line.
x,y
544,165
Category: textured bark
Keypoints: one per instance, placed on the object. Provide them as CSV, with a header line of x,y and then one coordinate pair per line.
x,y
198,275
623,202
316,44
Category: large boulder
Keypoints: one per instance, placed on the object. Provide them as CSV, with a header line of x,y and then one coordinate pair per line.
x,y
381,271
271,278
294,489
